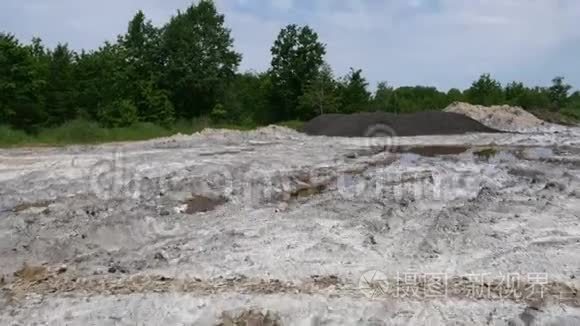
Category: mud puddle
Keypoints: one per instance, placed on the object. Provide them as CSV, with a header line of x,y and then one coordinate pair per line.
x,y
202,204
432,151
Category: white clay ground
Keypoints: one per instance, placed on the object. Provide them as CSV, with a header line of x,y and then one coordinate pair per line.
x,y
312,231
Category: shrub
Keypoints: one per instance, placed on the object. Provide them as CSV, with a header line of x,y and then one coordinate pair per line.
x,y
486,153
73,132
121,113
218,114
572,113
137,131
9,136
154,106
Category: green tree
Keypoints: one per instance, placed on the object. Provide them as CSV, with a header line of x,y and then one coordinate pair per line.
x,y
198,59
485,91
394,103
297,56
247,99
320,95
419,98
574,101
218,113
141,50
153,104
515,93
60,95
353,92
454,95
382,97
558,93
102,80
142,43
121,113
573,106
21,86
535,98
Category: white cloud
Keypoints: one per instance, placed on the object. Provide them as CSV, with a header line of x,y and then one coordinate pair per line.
x,y
283,5
447,43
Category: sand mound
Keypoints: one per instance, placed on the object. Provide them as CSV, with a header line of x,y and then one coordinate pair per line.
x,y
501,117
228,135
378,124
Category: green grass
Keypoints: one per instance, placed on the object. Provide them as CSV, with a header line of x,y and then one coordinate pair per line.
x,y
573,114
88,132
72,132
486,153
11,137
183,126
565,116
292,124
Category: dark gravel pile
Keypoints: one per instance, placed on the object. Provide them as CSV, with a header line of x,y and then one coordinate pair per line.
x,y
385,124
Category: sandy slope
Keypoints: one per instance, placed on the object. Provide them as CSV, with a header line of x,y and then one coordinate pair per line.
x,y
318,231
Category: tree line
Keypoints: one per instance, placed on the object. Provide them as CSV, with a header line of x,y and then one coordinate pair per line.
x,y
188,68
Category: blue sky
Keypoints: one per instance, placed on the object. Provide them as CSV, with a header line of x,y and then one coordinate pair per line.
x,y
445,43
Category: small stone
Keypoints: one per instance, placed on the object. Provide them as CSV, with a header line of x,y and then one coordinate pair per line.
x,y
62,269
118,268
282,207
370,240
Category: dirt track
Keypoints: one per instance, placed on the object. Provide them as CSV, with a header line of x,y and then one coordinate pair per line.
x,y
313,230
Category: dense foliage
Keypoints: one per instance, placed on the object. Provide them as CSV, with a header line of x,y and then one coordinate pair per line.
x,y
188,69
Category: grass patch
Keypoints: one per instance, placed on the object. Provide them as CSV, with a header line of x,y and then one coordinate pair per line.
x,y
568,117
486,153
87,132
83,132
292,124
72,132
12,137
187,127
573,114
